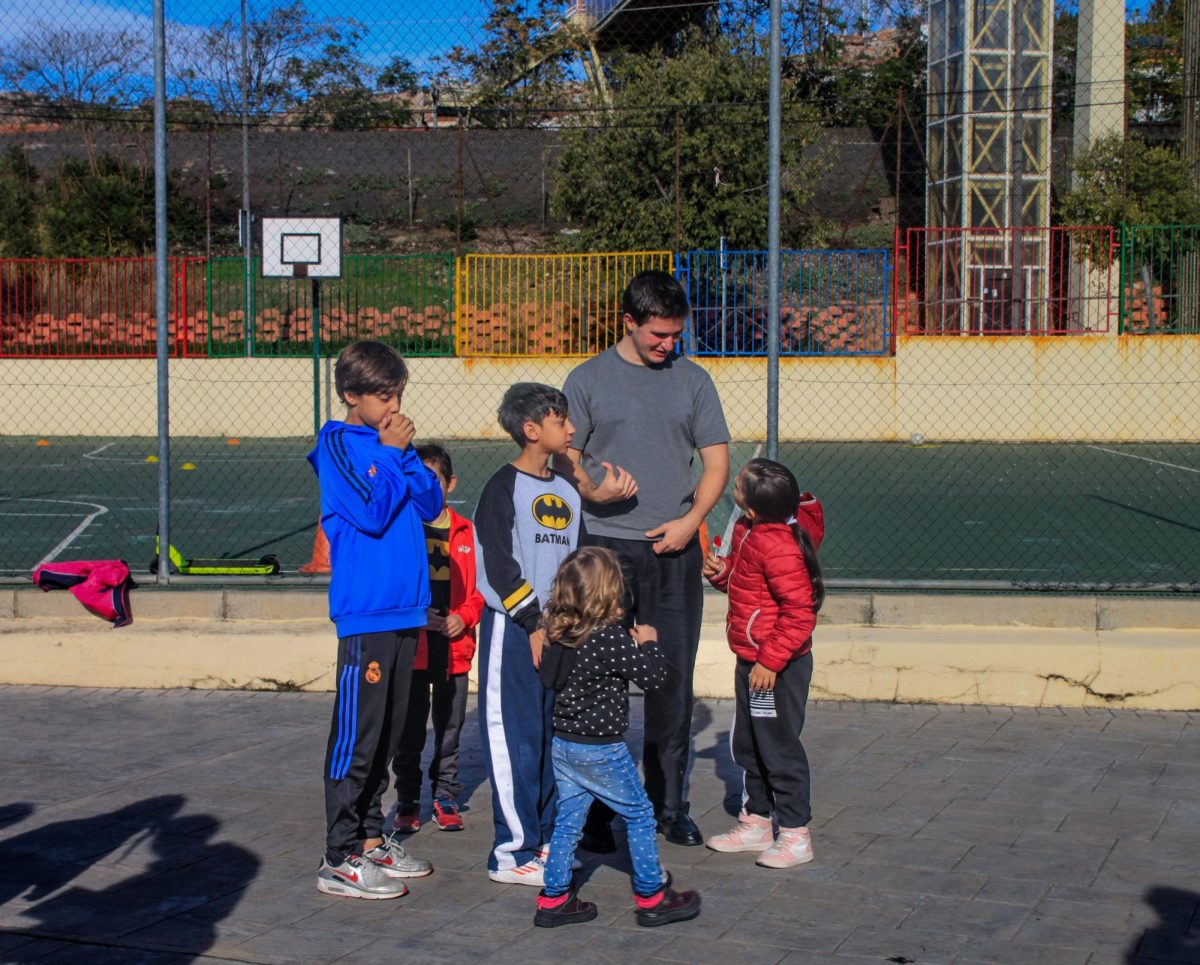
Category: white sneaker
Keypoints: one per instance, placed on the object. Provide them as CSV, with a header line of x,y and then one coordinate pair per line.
x,y
543,855
792,847
530,873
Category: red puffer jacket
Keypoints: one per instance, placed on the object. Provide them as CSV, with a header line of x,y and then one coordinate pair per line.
x,y
465,599
771,614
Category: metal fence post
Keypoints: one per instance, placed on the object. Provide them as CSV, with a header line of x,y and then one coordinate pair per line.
x,y
162,348
773,240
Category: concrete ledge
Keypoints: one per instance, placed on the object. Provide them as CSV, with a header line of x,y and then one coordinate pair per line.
x,y
1013,665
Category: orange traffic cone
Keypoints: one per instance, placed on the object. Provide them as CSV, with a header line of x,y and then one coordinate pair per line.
x,y
320,554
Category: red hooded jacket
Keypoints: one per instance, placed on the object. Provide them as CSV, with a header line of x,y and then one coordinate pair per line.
x,y
771,611
465,599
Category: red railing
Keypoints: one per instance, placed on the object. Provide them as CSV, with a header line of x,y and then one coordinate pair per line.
x,y
95,307
1005,281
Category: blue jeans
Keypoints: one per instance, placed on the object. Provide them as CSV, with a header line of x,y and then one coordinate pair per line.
x,y
602,772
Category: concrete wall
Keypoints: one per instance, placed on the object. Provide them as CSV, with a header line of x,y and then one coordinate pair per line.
x,y
1103,388
1073,651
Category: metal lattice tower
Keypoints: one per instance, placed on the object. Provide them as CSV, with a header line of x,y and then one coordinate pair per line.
x,y
988,145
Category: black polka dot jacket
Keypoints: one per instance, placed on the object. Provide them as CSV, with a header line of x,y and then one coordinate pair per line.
x,y
592,683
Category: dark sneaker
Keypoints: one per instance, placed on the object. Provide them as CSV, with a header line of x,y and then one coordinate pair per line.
x,y
565,910
357,877
403,818
667,906
445,813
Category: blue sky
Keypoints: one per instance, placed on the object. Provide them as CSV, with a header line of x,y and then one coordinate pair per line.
x,y
420,31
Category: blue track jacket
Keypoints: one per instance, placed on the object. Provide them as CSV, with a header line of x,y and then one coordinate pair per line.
x,y
373,501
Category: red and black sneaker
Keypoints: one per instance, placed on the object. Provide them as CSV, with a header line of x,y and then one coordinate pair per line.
x,y
404,818
445,813
568,909
666,906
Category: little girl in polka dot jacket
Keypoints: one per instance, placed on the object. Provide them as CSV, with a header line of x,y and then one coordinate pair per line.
x,y
775,590
590,660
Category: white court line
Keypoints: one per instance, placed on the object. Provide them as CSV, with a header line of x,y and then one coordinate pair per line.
x,y
132,461
24,515
1157,462
74,534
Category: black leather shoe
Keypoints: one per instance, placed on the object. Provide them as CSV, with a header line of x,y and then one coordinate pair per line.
x,y
672,906
678,828
598,842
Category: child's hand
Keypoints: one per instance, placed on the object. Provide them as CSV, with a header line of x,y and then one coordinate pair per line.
x,y
712,565
454,625
761,678
396,430
616,485
643,633
434,620
537,641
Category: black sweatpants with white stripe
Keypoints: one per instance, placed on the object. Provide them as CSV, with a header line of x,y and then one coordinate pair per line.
x,y
374,672
765,743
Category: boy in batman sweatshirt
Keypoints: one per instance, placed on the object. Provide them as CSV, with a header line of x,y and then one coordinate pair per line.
x,y
526,523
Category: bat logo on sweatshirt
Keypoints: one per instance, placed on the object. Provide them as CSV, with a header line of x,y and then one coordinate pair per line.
x,y
552,511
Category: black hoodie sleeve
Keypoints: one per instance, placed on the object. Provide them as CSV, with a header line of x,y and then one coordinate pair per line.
x,y
556,666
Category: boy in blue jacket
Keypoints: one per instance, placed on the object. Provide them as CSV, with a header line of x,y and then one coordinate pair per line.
x,y
375,495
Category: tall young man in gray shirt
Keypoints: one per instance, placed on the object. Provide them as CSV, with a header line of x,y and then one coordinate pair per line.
x,y
641,413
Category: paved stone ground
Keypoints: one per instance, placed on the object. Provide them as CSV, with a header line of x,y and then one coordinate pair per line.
x,y
185,826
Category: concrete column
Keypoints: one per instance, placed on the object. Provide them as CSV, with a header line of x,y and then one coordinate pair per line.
x,y
1099,72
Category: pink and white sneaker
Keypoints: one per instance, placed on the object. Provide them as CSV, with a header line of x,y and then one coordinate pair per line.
x,y
753,833
792,847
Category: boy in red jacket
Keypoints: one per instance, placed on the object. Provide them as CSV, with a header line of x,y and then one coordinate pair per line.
x,y
445,648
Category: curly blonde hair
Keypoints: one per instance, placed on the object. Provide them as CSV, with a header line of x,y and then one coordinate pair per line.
x,y
586,596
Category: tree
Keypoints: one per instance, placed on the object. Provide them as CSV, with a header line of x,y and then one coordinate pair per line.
x,y
78,68
1153,64
18,205
681,158
296,65
520,71
1127,180
107,208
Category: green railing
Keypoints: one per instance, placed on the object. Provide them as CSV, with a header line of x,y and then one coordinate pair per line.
x,y
1160,279
404,300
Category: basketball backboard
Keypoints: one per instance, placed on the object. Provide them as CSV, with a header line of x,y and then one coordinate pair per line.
x,y
302,247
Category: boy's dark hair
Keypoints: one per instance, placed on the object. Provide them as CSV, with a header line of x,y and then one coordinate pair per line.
x,y
432,452
771,490
529,402
369,367
654,293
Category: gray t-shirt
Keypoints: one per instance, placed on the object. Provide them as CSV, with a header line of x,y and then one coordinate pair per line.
x,y
650,421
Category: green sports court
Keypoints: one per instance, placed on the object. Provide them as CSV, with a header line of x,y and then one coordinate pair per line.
x,y
1036,515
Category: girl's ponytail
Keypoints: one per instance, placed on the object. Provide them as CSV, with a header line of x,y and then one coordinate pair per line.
x,y
811,563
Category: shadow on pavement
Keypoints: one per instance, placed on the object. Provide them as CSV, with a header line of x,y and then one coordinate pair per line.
x,y
159,874
1169,939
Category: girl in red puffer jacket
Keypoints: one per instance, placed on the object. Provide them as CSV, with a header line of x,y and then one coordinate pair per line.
x,y
775,590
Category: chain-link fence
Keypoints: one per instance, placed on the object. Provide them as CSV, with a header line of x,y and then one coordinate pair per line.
x,y
989,296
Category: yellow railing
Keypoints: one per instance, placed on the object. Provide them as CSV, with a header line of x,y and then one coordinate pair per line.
x,y
544,305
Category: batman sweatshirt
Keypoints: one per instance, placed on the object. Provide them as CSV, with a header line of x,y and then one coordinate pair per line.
x,y
374,499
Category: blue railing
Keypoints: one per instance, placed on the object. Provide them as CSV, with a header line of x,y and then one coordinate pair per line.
x,y
831,302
